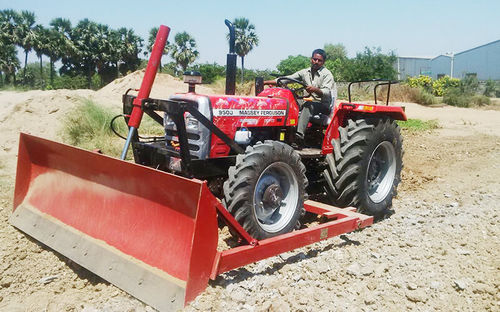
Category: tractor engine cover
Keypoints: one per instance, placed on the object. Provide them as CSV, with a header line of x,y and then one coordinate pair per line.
x,y
273,108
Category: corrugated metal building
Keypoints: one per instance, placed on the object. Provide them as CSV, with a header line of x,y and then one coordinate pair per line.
x,y
413,66
482,61
441,66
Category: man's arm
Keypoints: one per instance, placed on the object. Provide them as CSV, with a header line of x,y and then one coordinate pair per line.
x,y
327,85
270,82
296,76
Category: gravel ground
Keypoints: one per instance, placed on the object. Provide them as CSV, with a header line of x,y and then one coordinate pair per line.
x,y
439,250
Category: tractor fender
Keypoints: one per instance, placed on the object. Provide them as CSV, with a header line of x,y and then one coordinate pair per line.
x,y
345,111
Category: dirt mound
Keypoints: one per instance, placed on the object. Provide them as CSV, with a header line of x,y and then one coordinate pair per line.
x,y
35,112
42,113
164,86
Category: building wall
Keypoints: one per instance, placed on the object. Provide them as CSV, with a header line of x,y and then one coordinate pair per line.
x,y
413,66
440,65
484,61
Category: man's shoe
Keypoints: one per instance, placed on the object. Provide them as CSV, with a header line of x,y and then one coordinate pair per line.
x,y
298,142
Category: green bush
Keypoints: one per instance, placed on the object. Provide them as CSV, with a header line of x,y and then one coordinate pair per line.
x,y
69,82
444,83
87,122
424,82
490,88
210,72
424,97
88,127
480,100
469,85
456,97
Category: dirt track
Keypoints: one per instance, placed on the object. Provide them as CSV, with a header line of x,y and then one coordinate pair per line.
x,y
438,251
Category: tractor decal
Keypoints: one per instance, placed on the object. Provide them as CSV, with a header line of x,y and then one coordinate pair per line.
x,y
249,112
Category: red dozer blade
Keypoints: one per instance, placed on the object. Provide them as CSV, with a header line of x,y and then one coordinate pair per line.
x,y
151,233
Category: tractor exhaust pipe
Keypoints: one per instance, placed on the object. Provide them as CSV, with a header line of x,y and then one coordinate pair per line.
x,y
231,61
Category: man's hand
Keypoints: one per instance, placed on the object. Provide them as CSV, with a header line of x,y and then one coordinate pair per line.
x,y
269,82
316,90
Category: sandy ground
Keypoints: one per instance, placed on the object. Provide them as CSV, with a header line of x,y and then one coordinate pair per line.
x,y
438,251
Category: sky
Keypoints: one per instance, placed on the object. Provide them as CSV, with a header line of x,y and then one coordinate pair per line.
x,y
420,28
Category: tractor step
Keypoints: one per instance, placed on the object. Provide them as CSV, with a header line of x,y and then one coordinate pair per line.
x,y
309,152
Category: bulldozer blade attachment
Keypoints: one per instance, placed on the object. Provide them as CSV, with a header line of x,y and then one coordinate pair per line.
x,y
150,233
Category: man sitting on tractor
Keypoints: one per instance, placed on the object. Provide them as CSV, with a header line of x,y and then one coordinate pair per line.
x,y
319,84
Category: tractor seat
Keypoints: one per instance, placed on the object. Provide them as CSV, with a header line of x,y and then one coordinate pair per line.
x,y
323,118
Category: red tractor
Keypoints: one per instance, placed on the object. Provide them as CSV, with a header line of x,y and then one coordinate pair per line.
x,y
153,231
242,145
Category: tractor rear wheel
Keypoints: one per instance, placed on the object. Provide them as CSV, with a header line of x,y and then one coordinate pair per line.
x,y
365,168
265,189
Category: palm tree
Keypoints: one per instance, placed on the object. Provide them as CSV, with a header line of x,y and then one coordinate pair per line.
x,y
8,56
60,43
8,19
8,61
246,39
131,46
184,50
91,46
25,35
151,41
41,46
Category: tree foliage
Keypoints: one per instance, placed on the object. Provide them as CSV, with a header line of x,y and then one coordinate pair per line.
x,y
88,49
292,64
335,51
370,64
210,72
184,50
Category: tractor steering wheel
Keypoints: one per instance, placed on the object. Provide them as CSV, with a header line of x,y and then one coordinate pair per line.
x,y
283,82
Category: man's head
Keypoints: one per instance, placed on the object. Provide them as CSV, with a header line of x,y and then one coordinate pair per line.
x,y
318,59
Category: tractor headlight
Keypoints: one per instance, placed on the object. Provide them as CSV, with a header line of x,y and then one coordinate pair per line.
x,y
168,123
191,122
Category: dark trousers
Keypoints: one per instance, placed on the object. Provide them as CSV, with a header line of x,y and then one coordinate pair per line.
x,y
307,110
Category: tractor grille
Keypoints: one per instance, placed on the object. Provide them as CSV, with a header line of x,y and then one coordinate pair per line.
x,y
198,135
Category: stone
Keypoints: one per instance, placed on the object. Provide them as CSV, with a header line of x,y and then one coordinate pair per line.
x,y
370,299
416,295
463,252
411,286
460,284
367,270
279,305
354,269
48,279
435,285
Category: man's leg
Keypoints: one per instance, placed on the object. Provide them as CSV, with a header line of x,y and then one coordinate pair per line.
x,y
305,115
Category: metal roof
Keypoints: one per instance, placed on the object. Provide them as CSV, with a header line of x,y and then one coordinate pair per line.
x,y
481,46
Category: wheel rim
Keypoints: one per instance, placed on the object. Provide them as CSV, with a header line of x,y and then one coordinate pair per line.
x,y
275,197
381,171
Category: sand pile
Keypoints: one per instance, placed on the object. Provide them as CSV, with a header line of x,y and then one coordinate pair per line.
x,y
42,113
34,112
164,86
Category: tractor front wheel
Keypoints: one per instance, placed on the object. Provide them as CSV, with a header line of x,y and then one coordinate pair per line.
x,y
265,189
